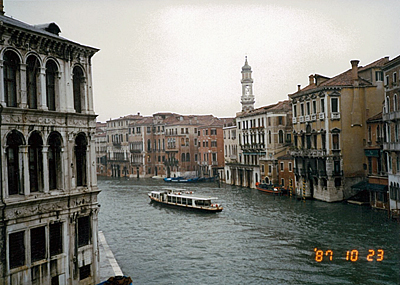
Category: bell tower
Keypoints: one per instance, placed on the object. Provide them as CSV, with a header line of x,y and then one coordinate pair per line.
x,y
247,99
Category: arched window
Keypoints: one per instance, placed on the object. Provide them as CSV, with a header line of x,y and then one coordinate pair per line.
x,y
32,77
35,162
51,73
78,90
395,103
280,136
183,157
387,104
11,63
80,159
14,172
54,161
187,157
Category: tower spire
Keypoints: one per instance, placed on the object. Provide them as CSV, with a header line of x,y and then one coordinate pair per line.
x,y
247,98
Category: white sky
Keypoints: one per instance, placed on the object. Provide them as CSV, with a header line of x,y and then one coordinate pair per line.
x,y
185,56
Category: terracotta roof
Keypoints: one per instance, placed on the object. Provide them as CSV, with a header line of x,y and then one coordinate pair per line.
x,y
377,117
284,106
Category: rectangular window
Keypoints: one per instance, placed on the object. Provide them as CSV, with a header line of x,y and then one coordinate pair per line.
x,y
308,108
379,75
84,272
301,109
394,77
322,105
283,182
83,231
280,119
282,166
334,105
314,107
290,166
55,239
16,247
295,110
38,243
335,141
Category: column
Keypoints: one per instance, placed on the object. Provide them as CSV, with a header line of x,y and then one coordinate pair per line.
x,y
45,150
42,99
24,170
22,102
2,97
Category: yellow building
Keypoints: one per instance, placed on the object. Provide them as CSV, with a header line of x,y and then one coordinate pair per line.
x,y
329,127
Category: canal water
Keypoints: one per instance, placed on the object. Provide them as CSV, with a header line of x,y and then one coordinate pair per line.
x,y
257,239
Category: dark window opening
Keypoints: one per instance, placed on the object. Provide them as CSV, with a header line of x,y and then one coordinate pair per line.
x,y
80,157
14,141
55,239
77,87
83,231
38,244
16,249
11,65
51,73
32,79
84,272
35,162
54,161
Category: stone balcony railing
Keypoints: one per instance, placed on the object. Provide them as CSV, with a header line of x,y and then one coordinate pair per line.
x,y
391,116
392,146
309,152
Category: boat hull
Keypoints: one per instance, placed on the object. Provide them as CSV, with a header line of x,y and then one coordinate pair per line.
x,y
204,209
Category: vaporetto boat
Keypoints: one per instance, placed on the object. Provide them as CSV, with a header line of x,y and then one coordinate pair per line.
x,y
185,199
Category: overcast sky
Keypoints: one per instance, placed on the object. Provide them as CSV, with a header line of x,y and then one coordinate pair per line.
x,y
185,56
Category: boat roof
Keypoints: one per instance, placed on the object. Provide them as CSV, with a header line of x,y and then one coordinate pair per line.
x,y
175,191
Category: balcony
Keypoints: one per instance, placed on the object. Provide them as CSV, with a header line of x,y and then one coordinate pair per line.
x,y
294,120
301,119
321,116
309,152
307,118
335,116
392,146
392,116
117,145
215,163
337,173
136,150
313,117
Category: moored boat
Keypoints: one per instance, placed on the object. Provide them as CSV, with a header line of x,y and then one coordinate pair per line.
x,y
185,199
269,188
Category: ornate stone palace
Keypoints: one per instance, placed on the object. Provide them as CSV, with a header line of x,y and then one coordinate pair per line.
x,y
48,188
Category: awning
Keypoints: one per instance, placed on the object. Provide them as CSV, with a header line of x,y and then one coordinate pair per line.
x,y
364,185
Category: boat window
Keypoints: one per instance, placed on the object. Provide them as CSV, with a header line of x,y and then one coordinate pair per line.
x,y
179,200
189,201
173,199
207,203
184,201
200,203
169,199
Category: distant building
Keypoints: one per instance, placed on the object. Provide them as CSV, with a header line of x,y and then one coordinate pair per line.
x,y
230,150
49,188
101,149
329,125
391,119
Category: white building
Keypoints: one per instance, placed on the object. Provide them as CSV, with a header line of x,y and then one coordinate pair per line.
x,y
48,188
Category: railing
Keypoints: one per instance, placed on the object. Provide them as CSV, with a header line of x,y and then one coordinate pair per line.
x,y
313,117
391,116
301,119
335,116
294,120
321,116
392,146
307,118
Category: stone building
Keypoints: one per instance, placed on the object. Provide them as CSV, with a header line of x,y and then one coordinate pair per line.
x,y
49,187
391,119
230,150
211,147
329,122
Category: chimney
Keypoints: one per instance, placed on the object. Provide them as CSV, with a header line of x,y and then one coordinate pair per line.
x,y
311,79
298,87
1,7
354,69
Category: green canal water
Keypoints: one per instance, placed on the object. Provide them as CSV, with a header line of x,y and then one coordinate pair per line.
x,y
257,239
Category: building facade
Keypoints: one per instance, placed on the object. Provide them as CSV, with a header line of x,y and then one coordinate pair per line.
x,y
391,119
329,116
49,186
